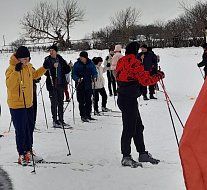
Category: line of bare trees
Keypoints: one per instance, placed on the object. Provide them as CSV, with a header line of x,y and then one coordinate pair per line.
x,y
52,22
183,31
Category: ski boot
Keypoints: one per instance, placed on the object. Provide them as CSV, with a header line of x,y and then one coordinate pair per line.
x,y
104,109
96,112
90,118
152,97
84,119
128,161
22,161
147,157
145,97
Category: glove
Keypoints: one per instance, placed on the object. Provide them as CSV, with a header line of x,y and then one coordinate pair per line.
x,y
80,80
95,79
47,65
161,74
18,67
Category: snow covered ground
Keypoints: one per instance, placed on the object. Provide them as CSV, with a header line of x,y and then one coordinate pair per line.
x,y
95,161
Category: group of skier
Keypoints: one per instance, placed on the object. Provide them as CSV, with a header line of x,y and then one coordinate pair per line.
x,y
131,73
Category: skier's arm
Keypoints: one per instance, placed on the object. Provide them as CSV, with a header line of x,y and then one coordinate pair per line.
x,y
75,73
144,77
202,63
39,72
66,67
12,78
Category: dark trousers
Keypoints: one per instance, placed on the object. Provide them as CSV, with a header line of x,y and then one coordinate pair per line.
x,y
56,99
132,125
23,121
35,106
67,96
102,92
111,82
151,90
85,102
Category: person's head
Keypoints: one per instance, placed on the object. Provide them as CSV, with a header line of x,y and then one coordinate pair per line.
x,y
97,61
149,49
111,50
132,48
53,51
117,48
204,46
23,55
144,48
83,57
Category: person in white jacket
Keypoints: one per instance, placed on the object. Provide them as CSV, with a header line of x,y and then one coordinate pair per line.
x,y
110,76
115,58
98,86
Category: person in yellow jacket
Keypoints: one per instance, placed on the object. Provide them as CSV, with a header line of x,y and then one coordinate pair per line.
x,y
19,82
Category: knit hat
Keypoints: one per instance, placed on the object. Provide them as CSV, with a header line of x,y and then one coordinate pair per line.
x,y
22,52
132,48
54,47
84,54
117,48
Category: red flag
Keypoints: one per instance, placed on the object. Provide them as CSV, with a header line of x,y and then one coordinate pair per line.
x,y
193,145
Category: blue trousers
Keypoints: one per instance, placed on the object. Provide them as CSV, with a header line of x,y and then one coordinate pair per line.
x,y
23,121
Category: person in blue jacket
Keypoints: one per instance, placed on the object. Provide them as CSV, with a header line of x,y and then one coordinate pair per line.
x,y
84,74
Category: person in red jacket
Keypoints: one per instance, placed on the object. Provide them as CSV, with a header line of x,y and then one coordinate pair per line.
x,y
130,74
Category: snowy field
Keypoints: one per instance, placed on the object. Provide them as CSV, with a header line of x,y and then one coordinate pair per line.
x,y
95,161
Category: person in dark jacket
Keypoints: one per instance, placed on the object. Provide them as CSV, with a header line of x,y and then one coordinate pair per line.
x,y
55,83
203,63
149,61
130,74
84,73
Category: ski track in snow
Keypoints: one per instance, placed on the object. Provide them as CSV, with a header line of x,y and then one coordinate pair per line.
x,y
95,147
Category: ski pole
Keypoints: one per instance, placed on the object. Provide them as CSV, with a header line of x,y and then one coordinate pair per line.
x,y
29,131
172,106
73,105
43,103
168,105
202,73
66,139
113,80
10,126
71,96
41,88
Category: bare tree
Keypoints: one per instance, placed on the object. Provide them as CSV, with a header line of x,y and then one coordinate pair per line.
x,y
124,22
50,22
70,15
126,18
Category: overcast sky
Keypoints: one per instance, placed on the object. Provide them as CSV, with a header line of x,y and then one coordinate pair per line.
x,y
98,13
